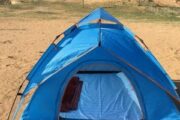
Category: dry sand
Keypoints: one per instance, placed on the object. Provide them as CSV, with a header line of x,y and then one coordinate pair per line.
x,y
23,41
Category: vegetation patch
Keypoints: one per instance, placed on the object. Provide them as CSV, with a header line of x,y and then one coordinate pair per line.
x,y
56,10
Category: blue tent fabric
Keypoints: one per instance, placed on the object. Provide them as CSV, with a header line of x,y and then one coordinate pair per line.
x,y
79,48
128,46
97,14
42,95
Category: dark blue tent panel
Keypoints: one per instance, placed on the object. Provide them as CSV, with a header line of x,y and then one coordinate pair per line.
x,y
140,88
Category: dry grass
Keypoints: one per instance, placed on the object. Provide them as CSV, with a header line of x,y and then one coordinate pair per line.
x,y
55,10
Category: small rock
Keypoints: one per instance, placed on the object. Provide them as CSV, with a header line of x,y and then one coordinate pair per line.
x,y
7,65
41,52
11,57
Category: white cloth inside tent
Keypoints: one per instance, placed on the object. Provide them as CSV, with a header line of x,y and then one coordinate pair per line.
x,y
107,96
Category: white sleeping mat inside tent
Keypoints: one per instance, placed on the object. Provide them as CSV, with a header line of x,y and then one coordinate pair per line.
x,y
106,97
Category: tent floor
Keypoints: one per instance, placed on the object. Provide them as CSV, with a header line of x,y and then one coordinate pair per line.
x,y
72,119
105,96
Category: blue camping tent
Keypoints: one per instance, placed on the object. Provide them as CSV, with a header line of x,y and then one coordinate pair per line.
x,y
121,79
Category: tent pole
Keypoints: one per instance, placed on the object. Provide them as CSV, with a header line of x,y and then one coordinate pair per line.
x,y
146,76
53,42
99,22
59,35
142,41
17,94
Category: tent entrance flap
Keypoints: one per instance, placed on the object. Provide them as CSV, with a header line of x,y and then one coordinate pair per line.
x,y
105,96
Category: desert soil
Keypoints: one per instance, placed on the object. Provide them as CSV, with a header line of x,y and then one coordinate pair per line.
x,y
23,41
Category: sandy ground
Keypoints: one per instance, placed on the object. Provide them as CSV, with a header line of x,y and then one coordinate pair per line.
x,y
23,41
